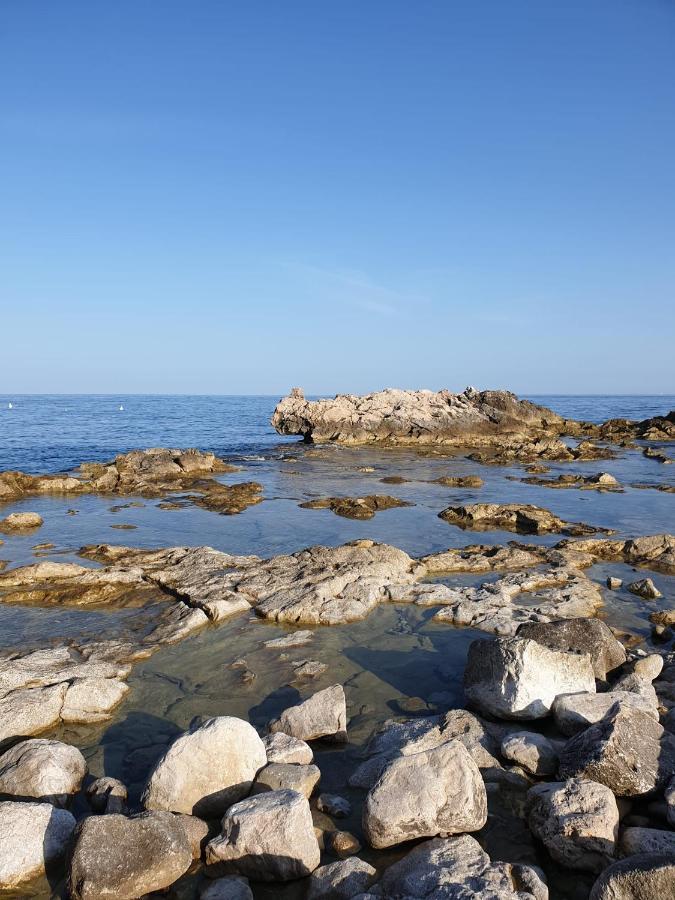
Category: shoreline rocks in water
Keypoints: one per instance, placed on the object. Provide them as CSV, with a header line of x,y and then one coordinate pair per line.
x,y
356,507
413,417
523,518
156,472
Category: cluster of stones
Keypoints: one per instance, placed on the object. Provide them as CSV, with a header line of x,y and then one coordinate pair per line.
x,y
156,472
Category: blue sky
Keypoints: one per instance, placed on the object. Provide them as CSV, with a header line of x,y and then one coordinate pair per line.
x,y
237,197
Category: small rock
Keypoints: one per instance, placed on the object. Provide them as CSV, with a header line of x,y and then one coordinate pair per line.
x,y
34,835
343,843
649,667
309,668
21,521
280,776
269,837
107,795
645,588
575,712
647,840
334,805
126,858
43,770
206,769
324,714
341,880
293,639
614,583
577,821
532,751
424,794
282,748
231,887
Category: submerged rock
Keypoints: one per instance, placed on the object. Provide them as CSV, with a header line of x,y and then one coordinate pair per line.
x,y
34,835
424,794
125,858
356,507
520,517
206,769
577,821
269,837
517,678
43,770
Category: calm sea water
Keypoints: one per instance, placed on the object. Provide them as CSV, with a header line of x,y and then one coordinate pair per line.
x,y
48,433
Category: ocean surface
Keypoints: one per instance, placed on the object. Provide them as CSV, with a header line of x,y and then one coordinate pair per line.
x,y
56,432
396,660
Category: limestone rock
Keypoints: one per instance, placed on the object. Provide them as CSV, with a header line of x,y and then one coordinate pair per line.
x,y
458,867
647,840
231,887
646,876
518,678
125,858
341,880
627,751
645,588
282,748
324,714
577,821
206,769
591,636
575,712
291,776
333,805
356,507
532,751
34,835
107,795
21,521
269,837
413,417
424,794
521,517
44,770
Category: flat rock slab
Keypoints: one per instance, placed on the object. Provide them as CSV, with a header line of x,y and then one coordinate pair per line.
x,y
576,712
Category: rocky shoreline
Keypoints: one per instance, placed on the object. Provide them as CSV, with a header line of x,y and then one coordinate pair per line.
x,y
565,738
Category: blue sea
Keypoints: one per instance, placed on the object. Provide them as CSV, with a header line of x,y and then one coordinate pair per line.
x,y
56,432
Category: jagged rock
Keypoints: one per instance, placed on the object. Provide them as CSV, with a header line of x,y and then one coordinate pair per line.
x,y
206,769
576,712
308,668
656,552
231,887
125,858
341,880
521,517
645,876
647,840
424,794
585,635
291,776
282,748
107,795
324,714
333,805
627,750
44,770
21,521
577,821
355,507
534,752
34,836
458,867
645,588
600,482
269,837
482,558
517,678
419,417
396,739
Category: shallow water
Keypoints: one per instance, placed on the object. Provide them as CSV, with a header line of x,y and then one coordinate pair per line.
x,y
396,655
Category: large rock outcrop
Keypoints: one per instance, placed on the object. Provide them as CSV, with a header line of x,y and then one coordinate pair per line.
x,y
413,417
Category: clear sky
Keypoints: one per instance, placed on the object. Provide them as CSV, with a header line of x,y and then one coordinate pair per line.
x,y
210,196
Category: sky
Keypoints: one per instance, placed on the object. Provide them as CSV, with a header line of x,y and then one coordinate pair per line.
x,y
239,197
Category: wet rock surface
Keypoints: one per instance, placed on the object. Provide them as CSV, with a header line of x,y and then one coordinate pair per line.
x,y
356,507
523,518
